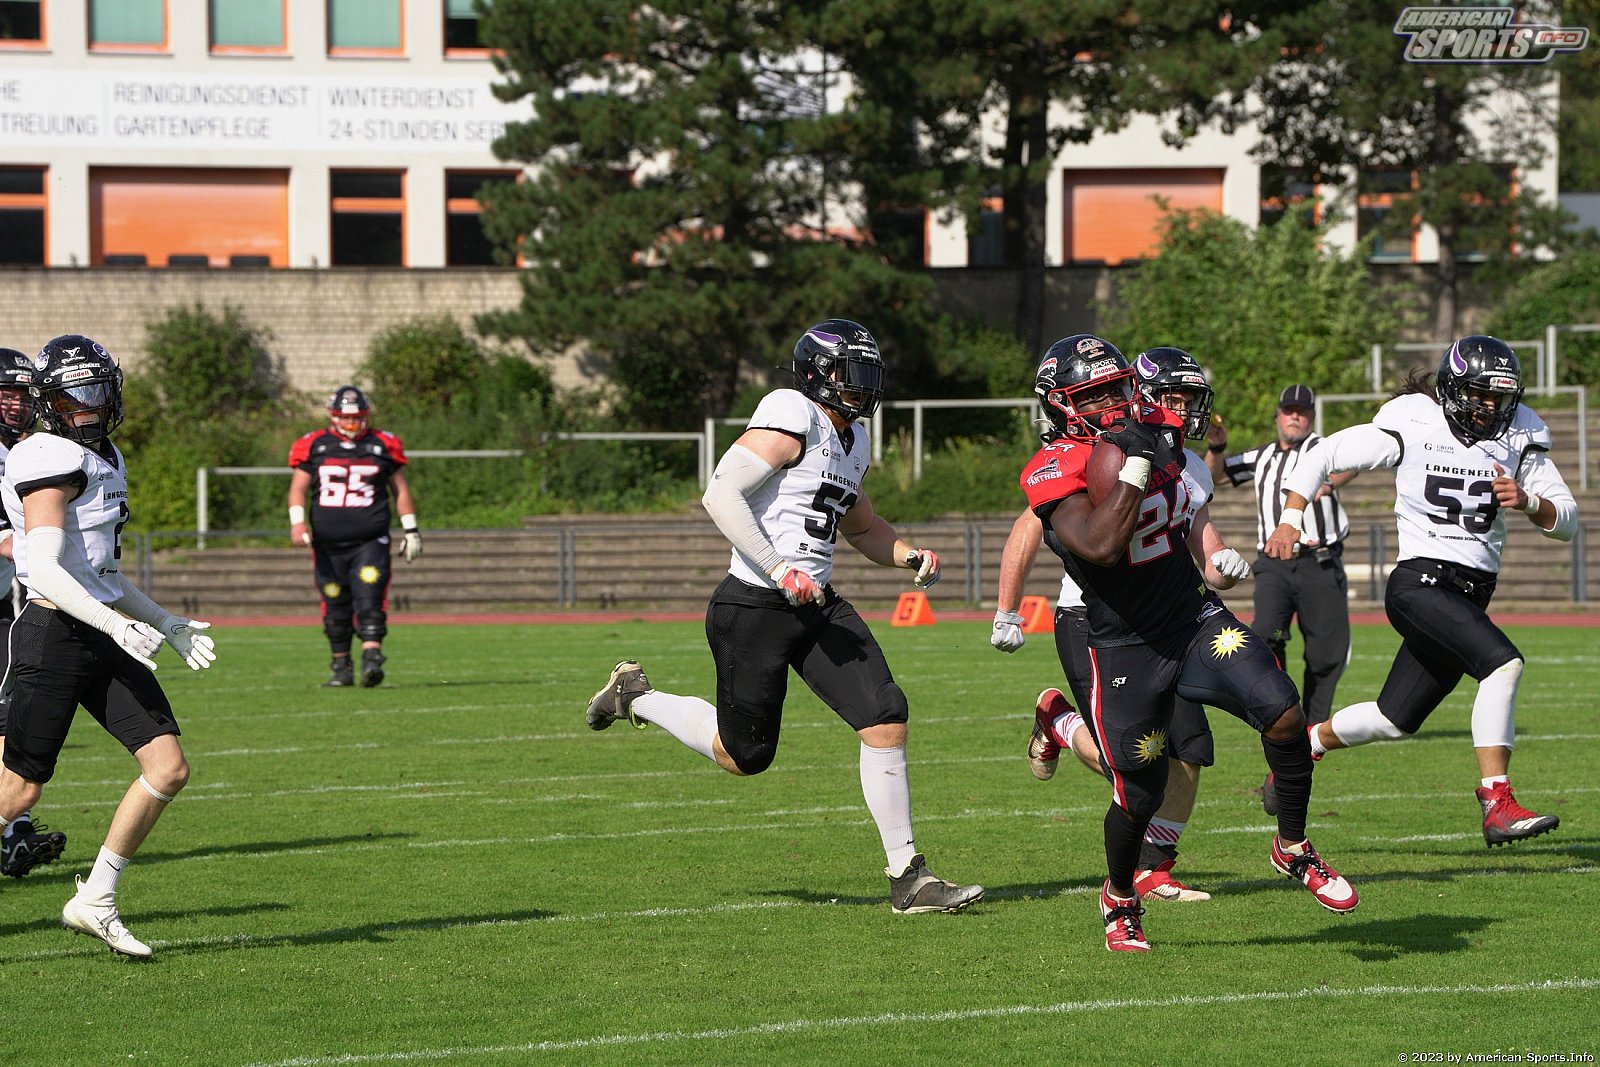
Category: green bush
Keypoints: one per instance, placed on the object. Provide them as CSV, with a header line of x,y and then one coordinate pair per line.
x,y
1565,290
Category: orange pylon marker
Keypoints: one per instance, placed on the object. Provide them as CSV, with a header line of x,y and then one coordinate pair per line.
x,y
912,609
1037,618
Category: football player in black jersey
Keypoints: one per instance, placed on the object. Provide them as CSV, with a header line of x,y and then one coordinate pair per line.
x,y
339,506
1156,629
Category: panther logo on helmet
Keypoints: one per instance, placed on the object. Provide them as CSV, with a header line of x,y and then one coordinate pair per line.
x,y
1085,386
77,390
838,365
349,414
1480,386
1166,372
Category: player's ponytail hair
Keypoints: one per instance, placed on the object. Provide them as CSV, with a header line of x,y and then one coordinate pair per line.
x,y
1419,380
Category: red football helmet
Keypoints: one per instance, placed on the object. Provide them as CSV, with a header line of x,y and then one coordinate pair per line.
x,y
348,412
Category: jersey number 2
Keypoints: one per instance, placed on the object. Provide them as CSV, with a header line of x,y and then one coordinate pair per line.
x,y
346,487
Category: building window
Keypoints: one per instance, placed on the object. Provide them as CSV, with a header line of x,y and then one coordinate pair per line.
x,y
365,27
248,26
368,218
128,25
22,23
466,245
22,216
1115,215
1284,188
1379,193
461,27
986,245
188,216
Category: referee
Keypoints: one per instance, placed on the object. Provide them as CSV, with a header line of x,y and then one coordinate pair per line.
x,y
1311,586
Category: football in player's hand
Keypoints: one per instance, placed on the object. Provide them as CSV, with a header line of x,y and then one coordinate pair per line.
x,y
1105,463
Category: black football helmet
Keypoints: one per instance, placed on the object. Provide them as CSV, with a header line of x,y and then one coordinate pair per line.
x,y
1163,371
837,364
1077,365
77,390
16,403
1480,386
349,414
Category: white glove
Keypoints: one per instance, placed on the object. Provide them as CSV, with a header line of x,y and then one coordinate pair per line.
x,y
1007,636
197,649
138,639
1230,564
411,547
796,585
927,565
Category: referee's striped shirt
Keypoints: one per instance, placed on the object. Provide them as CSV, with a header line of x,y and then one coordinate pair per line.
x,y
1270,466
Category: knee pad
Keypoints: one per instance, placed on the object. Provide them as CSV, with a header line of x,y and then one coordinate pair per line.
x,y
338,629
373,626
1142,791
751,757
892,706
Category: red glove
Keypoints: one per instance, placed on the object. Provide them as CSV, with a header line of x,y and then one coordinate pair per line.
x,y
796,585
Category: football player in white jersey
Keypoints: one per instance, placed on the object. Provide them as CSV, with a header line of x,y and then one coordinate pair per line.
x,y
782,494
86,635
1467,453
26,844
1173,379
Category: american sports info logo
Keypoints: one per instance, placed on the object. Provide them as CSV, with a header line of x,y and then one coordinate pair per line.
x,y
1481,35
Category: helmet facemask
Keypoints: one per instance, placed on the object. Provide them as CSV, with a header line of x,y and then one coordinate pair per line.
x,y
841,369
85,411
1086,410
1480,388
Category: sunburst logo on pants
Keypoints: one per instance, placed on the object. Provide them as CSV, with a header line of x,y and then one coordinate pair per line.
x,y
1229,640
1148,748
370,575
330,590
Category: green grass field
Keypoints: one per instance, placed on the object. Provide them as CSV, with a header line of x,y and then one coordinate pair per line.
x,y
453,868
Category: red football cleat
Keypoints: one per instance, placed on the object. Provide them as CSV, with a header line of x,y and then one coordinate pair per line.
x,y
1044,751
1158,884
1302,863
1505,820
1124,932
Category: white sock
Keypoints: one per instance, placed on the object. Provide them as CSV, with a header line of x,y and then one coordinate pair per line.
x,y
888,792
1495,707
10,827
1489,783
101,885
1360,724
1164,832
1065,725
690,719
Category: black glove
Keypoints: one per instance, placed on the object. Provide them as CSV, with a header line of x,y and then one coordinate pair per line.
x,y
1136,439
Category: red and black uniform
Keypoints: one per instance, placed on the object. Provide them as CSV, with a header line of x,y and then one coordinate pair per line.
x,y
1157,631
348,514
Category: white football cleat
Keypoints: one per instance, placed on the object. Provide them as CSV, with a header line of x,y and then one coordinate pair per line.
x,y
102,921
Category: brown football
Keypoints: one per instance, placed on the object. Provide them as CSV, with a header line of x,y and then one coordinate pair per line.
x,y
1105,463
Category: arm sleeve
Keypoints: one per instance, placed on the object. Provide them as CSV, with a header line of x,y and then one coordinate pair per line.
x,y
1366,447
1541,476
739,473
136,605
48,578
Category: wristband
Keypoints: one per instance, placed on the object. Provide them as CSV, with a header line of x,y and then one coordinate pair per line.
x,y
1218,449
297,515
1295,517
408,522
1531,508
1135,471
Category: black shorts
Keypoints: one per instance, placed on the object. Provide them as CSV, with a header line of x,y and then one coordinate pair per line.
x,y
756,636
59,663
1189,733
1221,663
1440,612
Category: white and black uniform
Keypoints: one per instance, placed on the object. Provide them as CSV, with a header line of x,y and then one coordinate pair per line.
x,y
756,635
1312,587
59,662
1452,531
